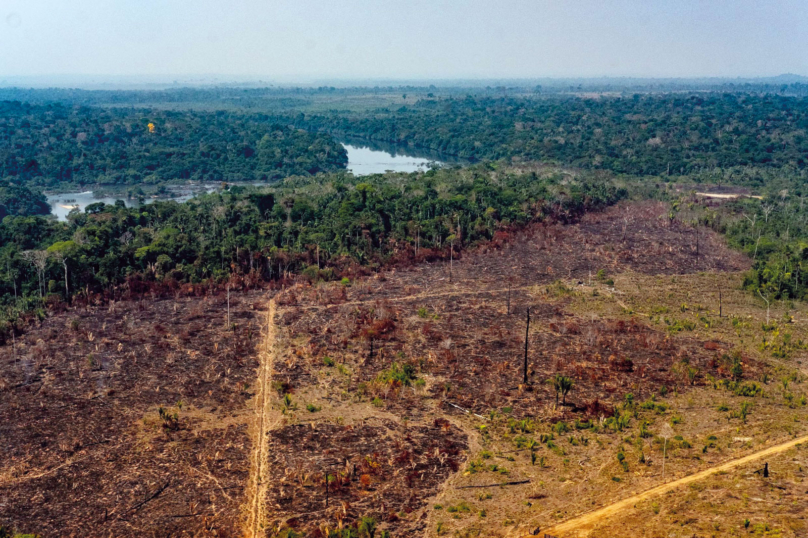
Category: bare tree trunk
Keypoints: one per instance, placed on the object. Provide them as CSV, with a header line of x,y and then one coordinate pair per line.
x,y
720,310
767,306
527,332
509,298
67,290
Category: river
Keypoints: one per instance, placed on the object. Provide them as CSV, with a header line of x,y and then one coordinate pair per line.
x,y
363,159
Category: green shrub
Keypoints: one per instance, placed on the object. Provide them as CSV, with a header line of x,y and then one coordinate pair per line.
x,y
746,408
749,389
402,374
524,426
583,425
475,466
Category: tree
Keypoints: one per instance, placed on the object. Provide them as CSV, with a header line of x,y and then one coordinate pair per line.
x,y
39,260
527,333
767,304
451,239
562,385
61,251
566,386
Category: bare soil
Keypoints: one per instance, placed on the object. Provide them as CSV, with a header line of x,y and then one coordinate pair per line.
x,y
84,447
439,449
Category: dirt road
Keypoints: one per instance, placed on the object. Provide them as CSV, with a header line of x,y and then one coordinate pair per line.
x,y
583,525
264,421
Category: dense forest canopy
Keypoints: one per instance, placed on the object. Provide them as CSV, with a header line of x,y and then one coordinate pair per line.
x,y
52,145
659,134
19,200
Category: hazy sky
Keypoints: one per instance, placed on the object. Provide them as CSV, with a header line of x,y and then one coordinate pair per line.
x,y
404,39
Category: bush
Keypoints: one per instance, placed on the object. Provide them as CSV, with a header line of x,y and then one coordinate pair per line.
x,y
749,389
475,466
524,426
583,425
746,408
561,428
398,375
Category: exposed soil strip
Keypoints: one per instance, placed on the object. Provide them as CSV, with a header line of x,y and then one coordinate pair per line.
x,y
583,525
257,487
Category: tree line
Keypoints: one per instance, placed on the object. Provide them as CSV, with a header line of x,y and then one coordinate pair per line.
x,y
773,232
324,227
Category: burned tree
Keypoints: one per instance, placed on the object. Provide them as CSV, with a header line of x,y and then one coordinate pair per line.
x,y
527,333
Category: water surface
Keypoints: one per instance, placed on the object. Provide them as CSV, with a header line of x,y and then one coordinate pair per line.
x,y
363,158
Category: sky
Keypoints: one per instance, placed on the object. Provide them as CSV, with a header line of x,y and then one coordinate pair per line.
x,y
402,39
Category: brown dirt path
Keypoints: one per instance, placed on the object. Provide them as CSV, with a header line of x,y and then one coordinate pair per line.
x,y
264,422
583,525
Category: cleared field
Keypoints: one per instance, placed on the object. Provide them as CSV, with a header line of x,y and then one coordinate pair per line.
x,y
399,401
85,446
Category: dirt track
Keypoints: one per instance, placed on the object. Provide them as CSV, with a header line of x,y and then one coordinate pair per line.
x,y
256,490
583,525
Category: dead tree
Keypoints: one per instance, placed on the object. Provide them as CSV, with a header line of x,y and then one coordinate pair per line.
x,y
527,333
720,310
767,209
767,304
61,257
509,297
39,260
451,239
